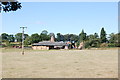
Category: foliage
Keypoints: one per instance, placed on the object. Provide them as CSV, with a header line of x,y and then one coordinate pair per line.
x,y
11,38
77,43
44,32
60,37
35,38
92,40
111,45
44,37
96,35
4,36
67,37
28,41
52,34
87,44
82,36
113,38
10,5
71,37
18,37
118,40
103,38
89,41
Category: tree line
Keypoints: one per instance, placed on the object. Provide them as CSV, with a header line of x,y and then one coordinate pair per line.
x,y
92,40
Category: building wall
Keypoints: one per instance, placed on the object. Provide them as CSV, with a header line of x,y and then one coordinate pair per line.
x,y
40,47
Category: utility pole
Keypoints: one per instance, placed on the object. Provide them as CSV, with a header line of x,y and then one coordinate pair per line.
x,y
23,39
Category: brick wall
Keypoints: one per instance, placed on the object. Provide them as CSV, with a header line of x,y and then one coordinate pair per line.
x,y
40,47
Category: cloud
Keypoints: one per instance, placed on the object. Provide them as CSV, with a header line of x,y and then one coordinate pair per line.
x,y
40,22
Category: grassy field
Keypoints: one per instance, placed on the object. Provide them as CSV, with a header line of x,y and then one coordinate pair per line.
x,y
60,64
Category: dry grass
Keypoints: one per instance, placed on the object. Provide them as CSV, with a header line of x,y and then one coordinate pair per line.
x,y
60,64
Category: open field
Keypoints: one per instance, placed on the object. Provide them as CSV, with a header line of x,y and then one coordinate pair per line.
x,y
60,64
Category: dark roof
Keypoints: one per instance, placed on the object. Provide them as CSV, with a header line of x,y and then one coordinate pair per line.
x,y
48,43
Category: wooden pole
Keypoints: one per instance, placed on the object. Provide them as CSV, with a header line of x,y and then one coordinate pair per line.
x,y
23,39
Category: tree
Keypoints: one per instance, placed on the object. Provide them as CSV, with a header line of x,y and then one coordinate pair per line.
x,y
60,37
9,5
28,41
92,41
4,36
113,38
11,38
82,36
35,38
91,37
67,37
44,37
44,32
18,37
118,40
96,35
52,34
71,37
74,37
103,38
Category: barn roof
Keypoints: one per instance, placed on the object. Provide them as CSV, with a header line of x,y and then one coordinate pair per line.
x,y
48,43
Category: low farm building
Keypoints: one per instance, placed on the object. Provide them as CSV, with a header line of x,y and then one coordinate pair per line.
x,y
46,45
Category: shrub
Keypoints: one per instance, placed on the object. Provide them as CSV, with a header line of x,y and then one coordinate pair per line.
x,y
117,44
87,44
111,45
77,44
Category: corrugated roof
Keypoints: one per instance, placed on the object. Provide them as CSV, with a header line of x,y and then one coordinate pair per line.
x,y
48,43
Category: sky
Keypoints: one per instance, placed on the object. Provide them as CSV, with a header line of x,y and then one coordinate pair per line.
x,y
69,0
62,17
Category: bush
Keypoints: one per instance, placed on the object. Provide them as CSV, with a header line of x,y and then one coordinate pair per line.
x,y
117,44
111,45
87,45
77,44
94,43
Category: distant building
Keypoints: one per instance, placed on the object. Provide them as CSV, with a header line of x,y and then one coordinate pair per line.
x,y
46,45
